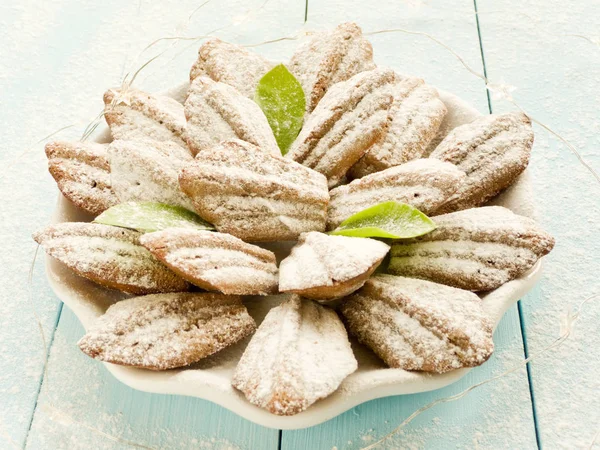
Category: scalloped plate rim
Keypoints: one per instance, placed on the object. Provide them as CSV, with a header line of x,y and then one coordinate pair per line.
x,y
496,303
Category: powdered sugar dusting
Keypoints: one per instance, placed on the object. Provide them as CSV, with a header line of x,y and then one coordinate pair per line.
x,y
299,354
215,261
164,331
108,255
323,260
419,325
148,171
475,249
423,183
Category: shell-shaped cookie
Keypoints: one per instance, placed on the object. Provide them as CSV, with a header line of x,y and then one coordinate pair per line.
x,y
492,151
423,183
416,115
323,267
328,58
164,331
215,261
109,256
231,64
148,171
82,173
133,114
476,249
299,354
419,325
255,196
352,116
217,112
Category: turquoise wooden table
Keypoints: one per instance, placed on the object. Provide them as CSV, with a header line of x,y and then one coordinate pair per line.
x,y
56,60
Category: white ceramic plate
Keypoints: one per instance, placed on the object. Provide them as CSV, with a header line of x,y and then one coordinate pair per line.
x,y
210,379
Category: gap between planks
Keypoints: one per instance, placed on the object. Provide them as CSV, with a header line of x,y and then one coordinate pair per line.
x,y
519,304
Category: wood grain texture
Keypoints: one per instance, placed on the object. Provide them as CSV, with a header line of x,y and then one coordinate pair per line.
x,y
533,48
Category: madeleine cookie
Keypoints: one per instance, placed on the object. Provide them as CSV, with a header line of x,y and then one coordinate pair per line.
x,y
423,183
253,195
217,112
109,256
231,64
476,249
416,113
132,114
325,267
352,116
215,261
419,325
492,151
148,171
82,173
328,58
164,331
299,354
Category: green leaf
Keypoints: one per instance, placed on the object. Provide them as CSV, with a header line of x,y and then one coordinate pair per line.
x,y
151,216
386,220
281,98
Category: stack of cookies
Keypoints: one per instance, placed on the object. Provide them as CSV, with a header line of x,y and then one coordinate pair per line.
x,y
368,137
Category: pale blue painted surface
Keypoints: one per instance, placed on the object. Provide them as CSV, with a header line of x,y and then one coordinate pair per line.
x,y
58,58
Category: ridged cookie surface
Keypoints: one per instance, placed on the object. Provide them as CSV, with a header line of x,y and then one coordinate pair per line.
x,y
82,173
351,117
148,171
492,151
249,193
419,325
299,354
231,64
476,249
328,58
215,261
133,114
416,115
109,256
164,331
217,112
423,183
323,267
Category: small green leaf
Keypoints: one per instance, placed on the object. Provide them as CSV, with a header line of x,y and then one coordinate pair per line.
x,y
151,216
281,98
386,220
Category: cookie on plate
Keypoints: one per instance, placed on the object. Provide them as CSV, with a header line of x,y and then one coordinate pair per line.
x,y
165,331
148,170
416,113
253,195
493,151
82,173
215,261
351,117
231,64
132,114
423,183
109,256
328,58
475,249
324,267
299,354
419,325
217,112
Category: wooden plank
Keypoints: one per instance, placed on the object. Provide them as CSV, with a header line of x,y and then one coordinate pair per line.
x,y
58,59
497,415
556,74
80,400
